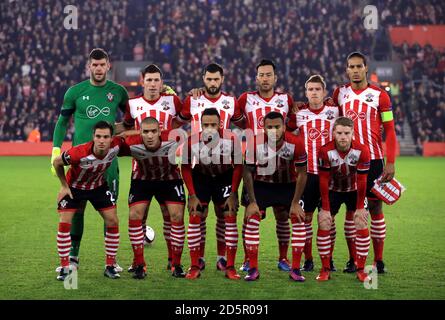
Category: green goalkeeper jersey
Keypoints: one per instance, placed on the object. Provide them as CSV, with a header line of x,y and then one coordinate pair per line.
x,y
89,104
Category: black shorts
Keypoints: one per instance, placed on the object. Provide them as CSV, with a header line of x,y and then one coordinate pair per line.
x,y
311,195
101,198
273,194
336,199
216,189
167,191
375,171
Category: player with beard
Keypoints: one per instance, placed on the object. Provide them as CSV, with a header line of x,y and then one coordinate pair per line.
x,y
90,101
229,112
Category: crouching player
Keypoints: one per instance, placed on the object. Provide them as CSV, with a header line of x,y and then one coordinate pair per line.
x,y
216,176
343,169
85,181
154,174
275,175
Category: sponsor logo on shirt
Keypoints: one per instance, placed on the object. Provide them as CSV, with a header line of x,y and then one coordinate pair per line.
x,y
93,111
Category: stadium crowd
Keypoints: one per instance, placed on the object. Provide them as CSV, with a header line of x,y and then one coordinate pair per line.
x,y
40,59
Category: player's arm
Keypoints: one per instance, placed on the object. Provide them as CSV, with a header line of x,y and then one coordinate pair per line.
x,y
176,122
59,163
300,160
361,214
231,204
194,203
120,127
184,116
68,108
362,176
324,174
248,171
391,139
239,118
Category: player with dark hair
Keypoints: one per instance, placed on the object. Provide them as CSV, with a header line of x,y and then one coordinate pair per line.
x,y
154,174
370,108
164,107
229,112
343,169
215,176
255,105
85,181
314,122
88,102
275,175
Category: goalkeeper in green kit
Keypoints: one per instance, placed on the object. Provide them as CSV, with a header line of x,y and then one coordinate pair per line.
x,y
89,102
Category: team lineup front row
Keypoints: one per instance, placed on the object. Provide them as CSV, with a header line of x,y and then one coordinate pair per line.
x,y
273,166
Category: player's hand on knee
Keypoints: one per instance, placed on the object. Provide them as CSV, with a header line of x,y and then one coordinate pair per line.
x,y
361,218
297,211
252,209
231,203
64,191
193,204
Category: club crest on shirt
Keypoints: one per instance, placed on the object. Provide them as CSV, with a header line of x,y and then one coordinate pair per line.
x,y
285,152
165,105
225,104
110,96
63,203
280,103
352,159
330,115
369,97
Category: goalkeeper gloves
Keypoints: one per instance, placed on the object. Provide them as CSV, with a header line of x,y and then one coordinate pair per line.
x,y
168,90
55,153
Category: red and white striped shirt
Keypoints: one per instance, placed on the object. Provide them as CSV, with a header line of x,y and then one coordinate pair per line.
x,y
86,170
254,107
344,166
163,109
315,127
226,105
365,107
158,165
277,166
213,158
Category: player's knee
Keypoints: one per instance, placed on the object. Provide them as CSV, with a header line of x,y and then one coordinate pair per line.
x,y
281,214
375,206
112,220
360,221
308,216
177,216
65,217
164,210
324,221
136,214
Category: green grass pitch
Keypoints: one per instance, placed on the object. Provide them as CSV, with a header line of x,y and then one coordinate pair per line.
x,y
414,249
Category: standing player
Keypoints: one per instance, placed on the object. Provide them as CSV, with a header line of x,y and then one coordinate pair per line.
x,y
314,121
88,102
275,175
344,165
83,182
164,108
370,109
227,107
255,106
155,174
216,175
